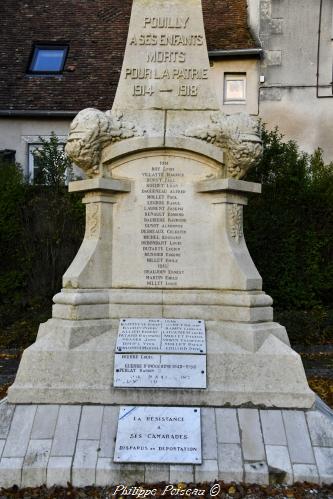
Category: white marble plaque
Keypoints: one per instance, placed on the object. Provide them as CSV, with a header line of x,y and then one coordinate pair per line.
x,y
161,335
158,435
159,371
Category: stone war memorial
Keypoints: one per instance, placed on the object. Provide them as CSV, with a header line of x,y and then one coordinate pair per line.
x,y
161,361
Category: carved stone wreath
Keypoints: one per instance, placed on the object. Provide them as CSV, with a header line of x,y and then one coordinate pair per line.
x,y
237,135
91,131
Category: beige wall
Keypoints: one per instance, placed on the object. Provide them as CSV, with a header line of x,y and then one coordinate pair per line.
x,y
302,117
17,133
229,65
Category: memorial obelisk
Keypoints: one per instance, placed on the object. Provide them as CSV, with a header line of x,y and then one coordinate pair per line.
x,y
164,240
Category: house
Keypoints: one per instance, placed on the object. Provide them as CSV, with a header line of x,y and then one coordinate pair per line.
x,y
58,58
296,89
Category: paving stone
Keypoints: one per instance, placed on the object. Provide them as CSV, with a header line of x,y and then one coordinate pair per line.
x,y
35,463
230,463
2,445
66,431
84,464
181,473
324,459
208,432
251,436
6,415
256,473
227,426
20,430
131,473
321,429
273,427
157,473
208,471
109,430
279,465
299,444
107,472
91,422
45,422
305,473
59,471
11,471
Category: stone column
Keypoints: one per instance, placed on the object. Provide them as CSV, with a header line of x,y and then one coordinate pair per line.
x,y
92,267
229,196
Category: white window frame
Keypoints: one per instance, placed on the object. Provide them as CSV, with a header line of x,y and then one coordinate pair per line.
x,y
32,143
234,77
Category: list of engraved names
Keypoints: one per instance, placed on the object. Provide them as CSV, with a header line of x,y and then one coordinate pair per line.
x,y
169,57
164,223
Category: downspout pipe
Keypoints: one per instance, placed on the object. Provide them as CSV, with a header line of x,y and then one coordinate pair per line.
x,y
318,56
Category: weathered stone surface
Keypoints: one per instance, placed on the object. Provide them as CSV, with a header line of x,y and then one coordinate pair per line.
x,y
84,464
6,414
157,473
181,473
108,433
19,433
59,471
91,423
208,429
273,428
11,471
35,463
207,471
66,431
251,436
230,463
321,429
256,472
132,473
279,465
324,459
107,472
45,421
305,473
227,426
298,438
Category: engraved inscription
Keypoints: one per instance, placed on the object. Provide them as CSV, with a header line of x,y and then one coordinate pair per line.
x,y
161,335
168,40
163,227
158,435
159,371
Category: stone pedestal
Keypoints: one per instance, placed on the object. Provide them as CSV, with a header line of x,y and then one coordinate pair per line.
x,y
249,359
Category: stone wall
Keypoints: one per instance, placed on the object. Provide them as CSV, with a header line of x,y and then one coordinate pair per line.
x,y
288,32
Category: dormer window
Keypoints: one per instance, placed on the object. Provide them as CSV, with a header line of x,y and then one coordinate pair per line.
x,y
48,59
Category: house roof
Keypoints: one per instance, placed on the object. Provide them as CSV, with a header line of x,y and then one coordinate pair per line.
x,y
96,31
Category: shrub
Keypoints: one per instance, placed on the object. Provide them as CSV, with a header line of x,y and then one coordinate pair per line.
x,y
289,227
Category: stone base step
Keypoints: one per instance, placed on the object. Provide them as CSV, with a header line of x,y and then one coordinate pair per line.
x,y
56,444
